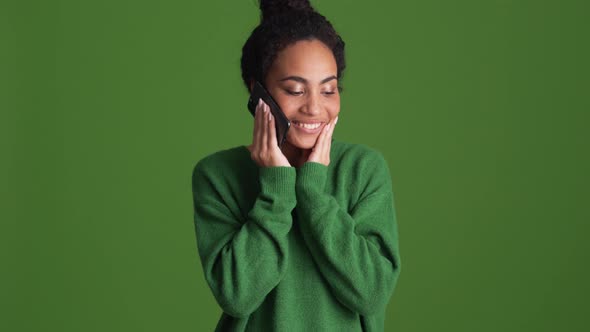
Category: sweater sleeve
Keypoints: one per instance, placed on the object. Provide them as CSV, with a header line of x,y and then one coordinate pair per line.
x,y
356,251
243,260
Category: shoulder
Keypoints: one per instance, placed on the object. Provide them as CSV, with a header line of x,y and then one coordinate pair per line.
x,y
357,155
221,161
360,165
363,168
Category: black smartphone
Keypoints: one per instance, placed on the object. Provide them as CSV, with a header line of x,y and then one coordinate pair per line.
x,y
282,124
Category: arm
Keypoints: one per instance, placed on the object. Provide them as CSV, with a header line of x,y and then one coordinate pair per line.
x,y
243,261
357,252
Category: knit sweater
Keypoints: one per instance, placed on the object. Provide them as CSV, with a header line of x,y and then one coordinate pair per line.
x,y
313,248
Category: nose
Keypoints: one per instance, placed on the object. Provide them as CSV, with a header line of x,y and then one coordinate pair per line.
x,y
313,104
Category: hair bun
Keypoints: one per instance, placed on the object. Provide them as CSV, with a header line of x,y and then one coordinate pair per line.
x,y
272,8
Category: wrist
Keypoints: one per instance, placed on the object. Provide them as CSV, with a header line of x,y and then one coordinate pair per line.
x,y
311,177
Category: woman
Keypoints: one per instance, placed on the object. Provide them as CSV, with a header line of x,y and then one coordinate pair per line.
x,y
302,237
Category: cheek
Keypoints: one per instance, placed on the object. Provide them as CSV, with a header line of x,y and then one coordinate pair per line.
x,y
333,107
289,106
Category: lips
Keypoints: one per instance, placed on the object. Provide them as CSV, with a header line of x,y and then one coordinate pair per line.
x,y
308,127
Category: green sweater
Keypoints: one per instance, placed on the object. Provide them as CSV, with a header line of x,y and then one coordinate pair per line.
x,y
313,248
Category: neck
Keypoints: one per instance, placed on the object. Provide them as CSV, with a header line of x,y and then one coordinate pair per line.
x,y
296,156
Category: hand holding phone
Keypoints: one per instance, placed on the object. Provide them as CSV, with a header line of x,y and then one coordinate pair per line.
x,y
264,149
282,123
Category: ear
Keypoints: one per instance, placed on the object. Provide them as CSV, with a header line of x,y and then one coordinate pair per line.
x,y
251,85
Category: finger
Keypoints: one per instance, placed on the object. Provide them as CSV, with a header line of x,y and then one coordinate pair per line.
x,y
335,122
325,135
257,118
264,128
330,134
272,132
319,148
332,127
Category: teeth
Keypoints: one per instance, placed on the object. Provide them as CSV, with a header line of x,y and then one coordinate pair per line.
x,y
308,126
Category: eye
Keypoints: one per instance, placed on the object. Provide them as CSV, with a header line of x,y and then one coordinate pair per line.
x,y
295,93
329,92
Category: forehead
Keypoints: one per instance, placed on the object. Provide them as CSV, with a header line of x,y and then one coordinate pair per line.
x,y
312,60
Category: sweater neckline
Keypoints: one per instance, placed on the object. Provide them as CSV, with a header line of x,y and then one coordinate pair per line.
x,y
247,152
245,147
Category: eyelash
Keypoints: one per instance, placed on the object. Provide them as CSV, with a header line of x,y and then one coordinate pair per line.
x,y
299,93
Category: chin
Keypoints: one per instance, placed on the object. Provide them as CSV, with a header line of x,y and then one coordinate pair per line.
x,y
300,143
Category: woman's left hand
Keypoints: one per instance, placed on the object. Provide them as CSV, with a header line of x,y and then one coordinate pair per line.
x,y
321,151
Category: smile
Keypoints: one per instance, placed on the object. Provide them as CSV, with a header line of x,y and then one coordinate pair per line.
x,y
308,125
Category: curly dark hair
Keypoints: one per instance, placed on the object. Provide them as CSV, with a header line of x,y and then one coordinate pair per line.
x,y
284,22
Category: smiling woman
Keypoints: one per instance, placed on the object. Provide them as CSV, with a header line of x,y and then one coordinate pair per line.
x,y
302,237
303,81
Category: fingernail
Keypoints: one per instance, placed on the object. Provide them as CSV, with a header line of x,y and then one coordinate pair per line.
x,y
259,101
336,121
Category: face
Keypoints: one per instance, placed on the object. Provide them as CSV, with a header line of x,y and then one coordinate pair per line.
x,y
303,81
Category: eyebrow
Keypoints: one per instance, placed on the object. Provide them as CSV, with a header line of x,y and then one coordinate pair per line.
x,y
303,80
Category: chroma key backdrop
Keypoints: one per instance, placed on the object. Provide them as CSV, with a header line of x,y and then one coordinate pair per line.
x,y
481,109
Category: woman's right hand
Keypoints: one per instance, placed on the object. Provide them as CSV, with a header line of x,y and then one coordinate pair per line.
x,y
265,150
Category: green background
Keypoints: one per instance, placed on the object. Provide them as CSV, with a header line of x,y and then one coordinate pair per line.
x,y
480,108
